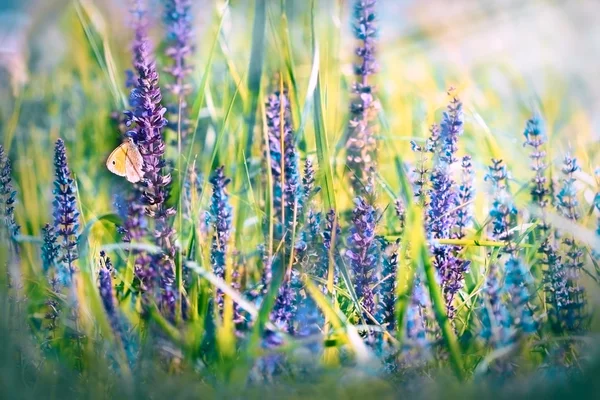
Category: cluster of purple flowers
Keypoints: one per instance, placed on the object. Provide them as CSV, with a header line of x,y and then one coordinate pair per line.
x,y
574,317
107,291
361,144
363,253
221,221
66,215
7,197
443,199
287,189
565,296
536,139
517,279
178,21
146,121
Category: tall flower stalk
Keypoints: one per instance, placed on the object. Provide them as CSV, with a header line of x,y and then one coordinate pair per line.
x,y
363,254
7,199
555,281
361,144
495,317
517,279
221,221
536,139
66,215
387,289
574,317
285,172
288,202
147,121
466,193
107,292
443,197
178,20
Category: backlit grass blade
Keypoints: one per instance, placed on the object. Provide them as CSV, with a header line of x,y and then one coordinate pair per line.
x,y
319,123
422,257
255,69
89,16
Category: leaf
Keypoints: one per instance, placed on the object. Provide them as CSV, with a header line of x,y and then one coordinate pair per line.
x,y
339,320
257,55
323,154
83,243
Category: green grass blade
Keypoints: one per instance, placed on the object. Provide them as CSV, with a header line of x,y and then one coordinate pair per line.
x,y
255,68
323,154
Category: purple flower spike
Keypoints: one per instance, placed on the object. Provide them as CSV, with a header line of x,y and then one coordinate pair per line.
x,y
308,181
146,121
220,213
287,188
536,139
362,252
7,200
466,193
50,249
66,216
107,293
387,288
443,197
495,318
221,218
361,144
517,278
178,20
574,317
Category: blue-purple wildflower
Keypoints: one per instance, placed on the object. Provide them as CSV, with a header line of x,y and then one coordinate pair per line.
x,y
466,193
574,318
308,182
221,221
421,170
146,121
361,144
285,172
536,139
516,279
7,199
106,289
417,346
363,254
286,305
386,312
178,20
66,215
496,321
443,195
332,236
50,249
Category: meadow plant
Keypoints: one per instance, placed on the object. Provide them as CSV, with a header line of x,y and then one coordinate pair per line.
x,y
221,220
66,215
179,36
517,279
443,199
574,318
7,198
146,121
107,291
361,144
363,254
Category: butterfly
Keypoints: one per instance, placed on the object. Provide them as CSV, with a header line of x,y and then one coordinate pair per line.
x,y
126,160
